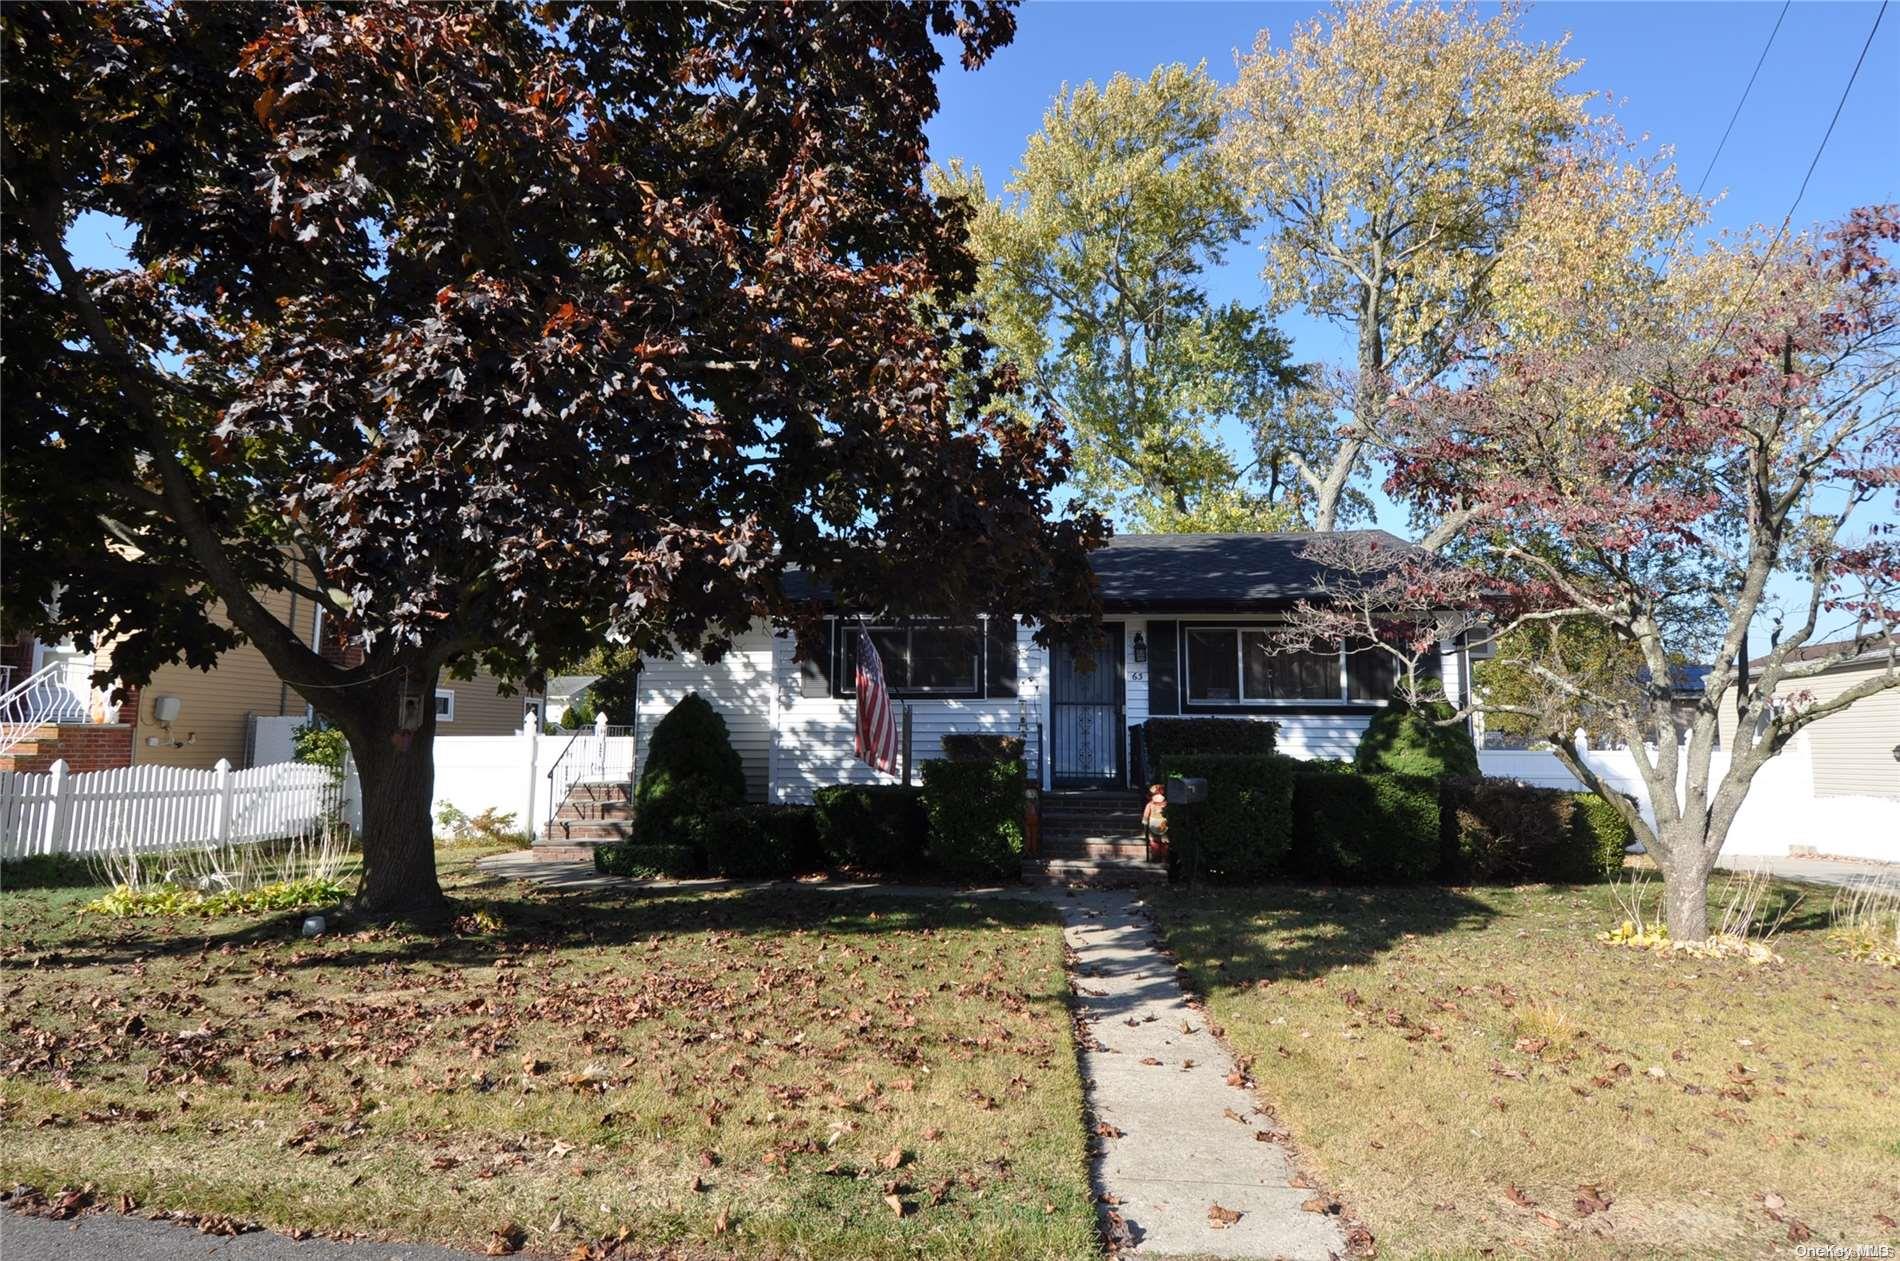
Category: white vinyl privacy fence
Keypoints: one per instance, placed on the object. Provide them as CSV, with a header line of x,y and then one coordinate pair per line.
x,y
147,809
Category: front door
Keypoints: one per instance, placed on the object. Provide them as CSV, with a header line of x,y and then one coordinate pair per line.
x,y
1085,715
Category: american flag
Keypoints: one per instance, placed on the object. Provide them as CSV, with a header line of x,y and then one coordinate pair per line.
x,y
877,723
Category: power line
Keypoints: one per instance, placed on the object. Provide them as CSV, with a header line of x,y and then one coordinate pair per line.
x,y
1801,192
1838,107
1726,131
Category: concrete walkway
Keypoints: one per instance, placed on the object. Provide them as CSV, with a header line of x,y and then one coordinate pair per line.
x,y
1181,1161
1173,1140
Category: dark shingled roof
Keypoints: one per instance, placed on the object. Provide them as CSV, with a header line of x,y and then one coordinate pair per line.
x,y
1874,647
1195,572
1213,572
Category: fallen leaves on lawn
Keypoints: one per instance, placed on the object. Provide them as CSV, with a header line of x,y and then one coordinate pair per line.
x,y
1515,1194
1591,1200
506,1239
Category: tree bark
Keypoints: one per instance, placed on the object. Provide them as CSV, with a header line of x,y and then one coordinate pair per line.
x,y
1685,872
398,785
396,773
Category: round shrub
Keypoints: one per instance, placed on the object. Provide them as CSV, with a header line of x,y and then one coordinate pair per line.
x,y
1401,740
692,772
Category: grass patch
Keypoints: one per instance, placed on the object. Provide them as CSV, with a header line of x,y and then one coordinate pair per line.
x,y
1476,1074
752,1073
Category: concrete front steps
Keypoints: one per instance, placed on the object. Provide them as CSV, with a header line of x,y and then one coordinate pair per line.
x,y
593,813
1092,838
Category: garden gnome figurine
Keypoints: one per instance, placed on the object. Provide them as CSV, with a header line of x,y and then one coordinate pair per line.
x,y
1154,824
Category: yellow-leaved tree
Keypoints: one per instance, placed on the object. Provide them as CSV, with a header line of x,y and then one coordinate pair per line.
x,y
1093,266
1422,172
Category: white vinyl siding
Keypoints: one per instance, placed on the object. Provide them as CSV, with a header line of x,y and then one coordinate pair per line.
x,y
792,744
738,686
814,744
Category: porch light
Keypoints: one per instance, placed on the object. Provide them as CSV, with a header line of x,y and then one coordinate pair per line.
x,y
1141,649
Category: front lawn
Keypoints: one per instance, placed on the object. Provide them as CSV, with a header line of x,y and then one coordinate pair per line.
x,y
1477,1075
761,1073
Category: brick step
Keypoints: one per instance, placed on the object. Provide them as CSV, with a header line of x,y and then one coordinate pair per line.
x,y
595,830
1128,851
544,852
600,790
1092,827
1066,871
573,809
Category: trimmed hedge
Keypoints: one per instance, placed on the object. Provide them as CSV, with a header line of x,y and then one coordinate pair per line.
x,y
647,862
975,811
981,746
1239,737
755,841
1244,831
874,827
1401,740
1500,830
692,772
1603,838
1371,829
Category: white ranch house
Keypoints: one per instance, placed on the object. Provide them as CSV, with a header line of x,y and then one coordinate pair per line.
x,y
1184,614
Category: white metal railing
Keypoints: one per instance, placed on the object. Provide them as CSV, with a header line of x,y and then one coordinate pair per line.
x,y
42,698
156,808
592,755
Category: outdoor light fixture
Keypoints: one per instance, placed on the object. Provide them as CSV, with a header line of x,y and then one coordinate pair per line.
x,y
1141,649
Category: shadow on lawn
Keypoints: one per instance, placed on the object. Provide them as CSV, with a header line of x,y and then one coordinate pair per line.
x,y
1232,939
586,919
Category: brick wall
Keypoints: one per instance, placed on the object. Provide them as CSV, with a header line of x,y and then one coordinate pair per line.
x,y
102,747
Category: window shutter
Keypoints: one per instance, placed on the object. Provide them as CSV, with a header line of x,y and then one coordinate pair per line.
x,y
1000,658
1164,668
814,673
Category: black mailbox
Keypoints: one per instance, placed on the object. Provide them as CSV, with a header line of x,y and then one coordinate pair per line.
x,y
1187,792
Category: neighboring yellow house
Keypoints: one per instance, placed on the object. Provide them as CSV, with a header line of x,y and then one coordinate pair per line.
x,y
187,717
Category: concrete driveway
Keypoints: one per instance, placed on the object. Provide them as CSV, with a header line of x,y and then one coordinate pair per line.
x,y
1836,872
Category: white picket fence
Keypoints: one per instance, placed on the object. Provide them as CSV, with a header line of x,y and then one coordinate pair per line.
x,y
149,809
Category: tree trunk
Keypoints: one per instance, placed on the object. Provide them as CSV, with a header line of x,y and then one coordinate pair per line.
x,y
397,772
1685,883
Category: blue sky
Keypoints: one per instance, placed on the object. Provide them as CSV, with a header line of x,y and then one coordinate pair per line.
x,y
1673,71
1676,72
